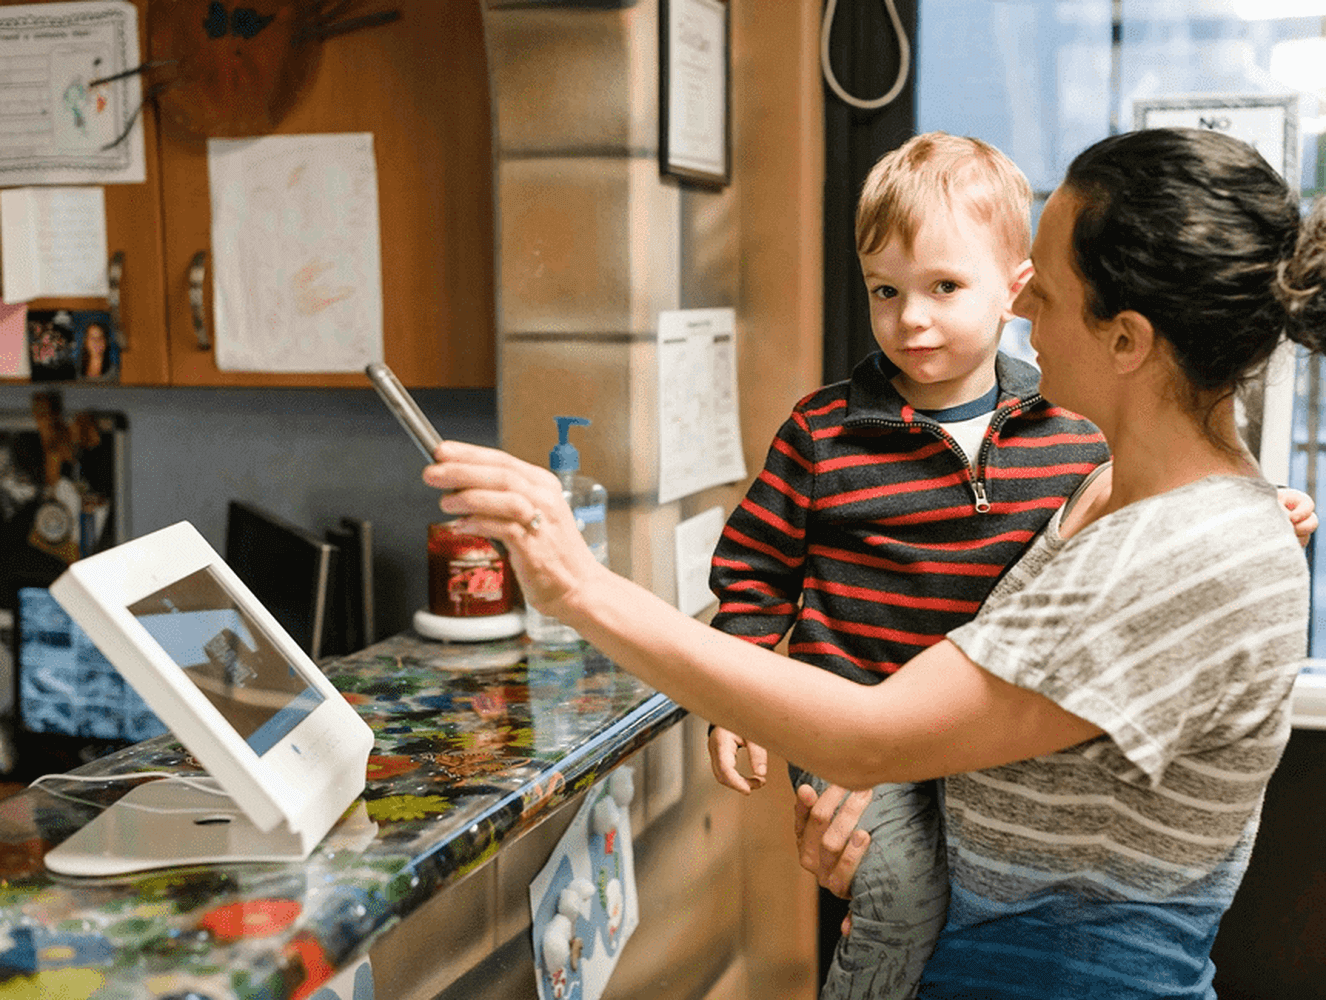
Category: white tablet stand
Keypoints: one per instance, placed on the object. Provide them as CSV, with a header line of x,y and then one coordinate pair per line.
x,y
288,752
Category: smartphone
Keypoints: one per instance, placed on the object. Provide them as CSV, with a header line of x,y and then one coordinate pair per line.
x,y
400,402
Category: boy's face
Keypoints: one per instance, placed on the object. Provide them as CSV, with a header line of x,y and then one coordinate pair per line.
x,y
937,310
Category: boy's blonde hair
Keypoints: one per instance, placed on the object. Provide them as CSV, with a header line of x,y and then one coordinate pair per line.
x,y
948,170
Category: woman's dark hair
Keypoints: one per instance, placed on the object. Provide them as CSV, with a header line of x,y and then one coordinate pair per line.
x,y
1199,234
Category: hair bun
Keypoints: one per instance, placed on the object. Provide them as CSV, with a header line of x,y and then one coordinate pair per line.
x,y
1300,282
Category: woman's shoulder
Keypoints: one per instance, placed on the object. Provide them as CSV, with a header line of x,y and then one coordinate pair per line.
x,y
1215,504
1210,502
1230,528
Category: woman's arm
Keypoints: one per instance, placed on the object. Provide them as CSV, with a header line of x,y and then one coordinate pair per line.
x,y
938,715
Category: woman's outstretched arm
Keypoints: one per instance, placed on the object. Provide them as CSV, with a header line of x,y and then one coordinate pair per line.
x,y
940,714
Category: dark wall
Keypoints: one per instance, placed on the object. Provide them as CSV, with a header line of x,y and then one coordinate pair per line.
x,y
1272,942
311,456
864,56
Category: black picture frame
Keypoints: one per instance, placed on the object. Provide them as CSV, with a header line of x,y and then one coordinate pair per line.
x,y
695,64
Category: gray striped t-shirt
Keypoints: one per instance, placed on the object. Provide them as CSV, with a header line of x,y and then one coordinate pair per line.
x,y
1176,625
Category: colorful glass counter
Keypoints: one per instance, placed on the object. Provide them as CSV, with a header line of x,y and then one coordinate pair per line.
x,y
475,744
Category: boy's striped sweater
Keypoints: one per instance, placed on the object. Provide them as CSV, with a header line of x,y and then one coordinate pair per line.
x,y
869,534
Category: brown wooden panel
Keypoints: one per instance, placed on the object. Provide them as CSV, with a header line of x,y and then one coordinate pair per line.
x,y
133,225
420,85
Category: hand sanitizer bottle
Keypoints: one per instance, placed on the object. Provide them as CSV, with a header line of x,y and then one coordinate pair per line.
x,y
589,502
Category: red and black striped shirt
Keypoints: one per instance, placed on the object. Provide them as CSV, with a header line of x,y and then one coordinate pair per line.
x,y
869,533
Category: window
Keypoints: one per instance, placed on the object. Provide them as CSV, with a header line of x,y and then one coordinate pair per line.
x,y
1042,79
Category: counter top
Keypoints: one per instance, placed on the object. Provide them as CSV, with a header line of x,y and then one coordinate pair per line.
x,y
474,745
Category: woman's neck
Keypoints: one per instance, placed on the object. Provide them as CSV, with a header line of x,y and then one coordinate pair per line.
x,y
1158,451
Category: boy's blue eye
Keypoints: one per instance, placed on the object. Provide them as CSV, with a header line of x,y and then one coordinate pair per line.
x,y
885,291
948,287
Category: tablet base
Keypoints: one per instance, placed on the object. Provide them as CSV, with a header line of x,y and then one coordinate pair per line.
x,y
166,824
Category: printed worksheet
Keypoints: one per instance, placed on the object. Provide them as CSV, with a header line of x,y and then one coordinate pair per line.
x,y
297,269
699,430
60,125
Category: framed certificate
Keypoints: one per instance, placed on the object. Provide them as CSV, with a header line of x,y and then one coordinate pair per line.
x,y
694,91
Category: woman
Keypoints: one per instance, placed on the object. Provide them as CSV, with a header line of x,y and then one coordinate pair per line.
x,y
1108,722
95,361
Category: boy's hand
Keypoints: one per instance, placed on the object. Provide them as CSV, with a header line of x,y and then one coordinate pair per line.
x,y
1301,510
830,845
723,747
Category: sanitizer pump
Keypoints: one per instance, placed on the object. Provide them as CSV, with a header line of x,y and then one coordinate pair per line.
x,y
588,500
589,503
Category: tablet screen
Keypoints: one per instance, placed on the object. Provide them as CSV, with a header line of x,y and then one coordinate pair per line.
x,y
228,656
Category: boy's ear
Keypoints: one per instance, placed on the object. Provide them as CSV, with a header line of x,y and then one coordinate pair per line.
x,y
1021,275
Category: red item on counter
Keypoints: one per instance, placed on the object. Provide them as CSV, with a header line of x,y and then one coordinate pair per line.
x,y
468,576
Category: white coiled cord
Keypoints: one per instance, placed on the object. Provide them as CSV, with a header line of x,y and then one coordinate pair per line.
x,y
904,60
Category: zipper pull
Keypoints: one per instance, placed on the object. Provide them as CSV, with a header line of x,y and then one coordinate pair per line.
x,y
982,504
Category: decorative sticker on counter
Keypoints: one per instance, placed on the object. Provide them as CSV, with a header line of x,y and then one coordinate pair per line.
x,y
352,983
468,758
584,902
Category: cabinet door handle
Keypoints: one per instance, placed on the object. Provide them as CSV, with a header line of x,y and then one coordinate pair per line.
x,y
114,272
197,273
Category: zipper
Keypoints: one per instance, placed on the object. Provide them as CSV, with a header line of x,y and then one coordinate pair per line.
x,y
977,481
996,424
978,491
982,504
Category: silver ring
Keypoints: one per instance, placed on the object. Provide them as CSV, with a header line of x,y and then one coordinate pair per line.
x,y
534,523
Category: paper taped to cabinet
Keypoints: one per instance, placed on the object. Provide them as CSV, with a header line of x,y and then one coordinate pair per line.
x,y
297,270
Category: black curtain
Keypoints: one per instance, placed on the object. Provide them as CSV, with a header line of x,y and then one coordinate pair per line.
x,y
863,50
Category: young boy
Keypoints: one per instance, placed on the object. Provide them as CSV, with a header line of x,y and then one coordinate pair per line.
x,y
890,503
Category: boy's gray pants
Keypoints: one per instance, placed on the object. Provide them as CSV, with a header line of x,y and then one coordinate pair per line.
x,y
899,894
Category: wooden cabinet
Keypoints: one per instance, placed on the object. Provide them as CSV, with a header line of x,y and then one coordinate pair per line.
x,y
420,86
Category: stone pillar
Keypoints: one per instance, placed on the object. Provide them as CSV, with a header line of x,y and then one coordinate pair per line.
x,y
592,244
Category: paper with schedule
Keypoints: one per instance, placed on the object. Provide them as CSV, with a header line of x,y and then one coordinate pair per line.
x,y
699,431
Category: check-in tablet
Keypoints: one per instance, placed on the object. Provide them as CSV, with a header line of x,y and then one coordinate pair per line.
x,y
235,689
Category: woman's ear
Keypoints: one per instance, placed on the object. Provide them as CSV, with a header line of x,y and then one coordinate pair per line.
x,y
1021,275
1132,340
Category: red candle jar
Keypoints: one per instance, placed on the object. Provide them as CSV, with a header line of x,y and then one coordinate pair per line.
x,y
468,576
